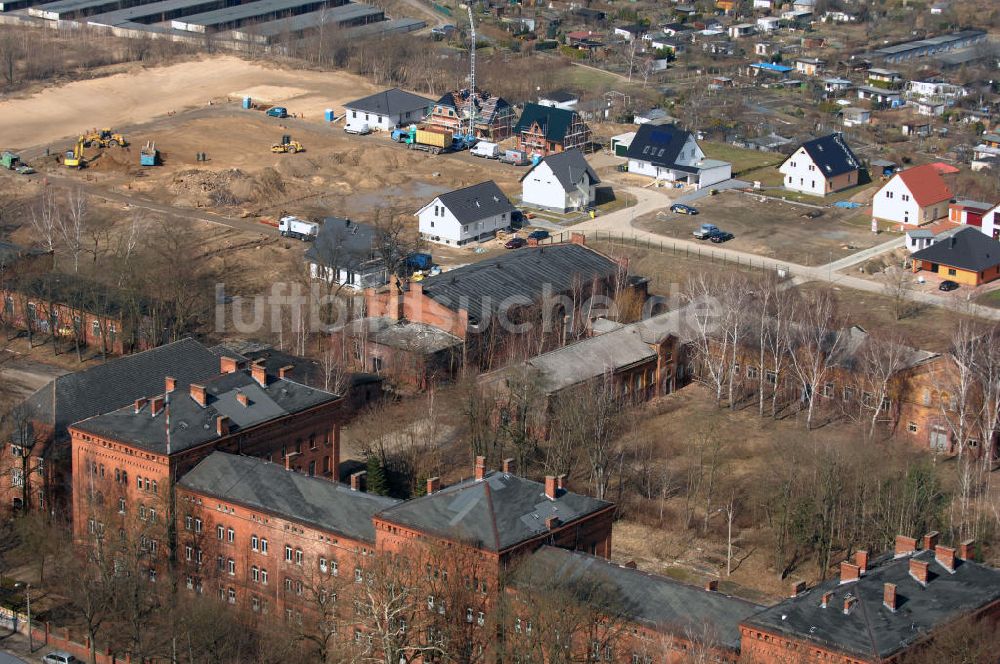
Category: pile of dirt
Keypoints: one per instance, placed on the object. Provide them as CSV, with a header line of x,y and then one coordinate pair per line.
x,y
205,188
113,160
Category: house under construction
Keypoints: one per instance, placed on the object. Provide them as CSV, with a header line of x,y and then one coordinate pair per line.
x,y
544,130
494,117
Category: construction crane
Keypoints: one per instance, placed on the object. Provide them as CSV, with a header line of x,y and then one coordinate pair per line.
x,y
472,74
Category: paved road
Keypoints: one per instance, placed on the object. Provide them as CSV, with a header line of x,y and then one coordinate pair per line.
x,y
721,186
10,659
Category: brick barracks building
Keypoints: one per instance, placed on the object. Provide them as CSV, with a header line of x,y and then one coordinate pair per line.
x,y
127,460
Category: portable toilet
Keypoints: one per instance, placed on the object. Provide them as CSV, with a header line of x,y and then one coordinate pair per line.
x,y
535,159
330,116
247,103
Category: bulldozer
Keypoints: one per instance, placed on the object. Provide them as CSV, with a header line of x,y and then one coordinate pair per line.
x,y
287,145
74,158
104,138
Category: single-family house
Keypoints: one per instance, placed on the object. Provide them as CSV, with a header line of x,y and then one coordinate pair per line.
x,y
918,239
741,30
852,116
885,78
916,196
666,152
880,97
928,107
836,85
630,32
493,116
936,89
465,215
768,23
347,253
968,257
388,109
563,181
544,130
821,166
563,99
764,48
990,222
809,66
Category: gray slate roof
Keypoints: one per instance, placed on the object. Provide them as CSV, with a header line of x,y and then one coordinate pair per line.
x,y
657,144
404,335
192,425
495,513
390,102
259,484
968,249
655,601
870,629
568,167
346,244
482,287
479,201
832,155
121,381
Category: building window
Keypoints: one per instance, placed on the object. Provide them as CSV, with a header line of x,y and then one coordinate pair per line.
x,y
197,525
220,532
263,546
220,563
231,564
298,587
298,556
468,615
199,556
772,377
430,602
255,603
188,523
231,535
255,574
912,427
357,575
334,568
232,596
952,272
288,553
288,585
263,576
254,543
322,565
121,506
188,552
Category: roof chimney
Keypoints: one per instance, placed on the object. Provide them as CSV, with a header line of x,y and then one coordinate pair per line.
x,y
243,399
358,480
561,482
433,485
798,588
170,383
967,550
849,572
889,596
825,600
480,467
849,603
198,394
222,425
946,556
508,466
577,238
156,405
931,540
228,365
712,585
285,372
259,373
919,571
905,545
139,403
552,522
550,487
861,560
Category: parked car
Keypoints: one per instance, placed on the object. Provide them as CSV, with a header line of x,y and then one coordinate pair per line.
x,y
60,657
516,243
538,235
680,208
721,236
948,285
705,231
277,112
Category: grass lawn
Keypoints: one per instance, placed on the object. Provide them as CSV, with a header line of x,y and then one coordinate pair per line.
x,y
990,299
587,78
743,161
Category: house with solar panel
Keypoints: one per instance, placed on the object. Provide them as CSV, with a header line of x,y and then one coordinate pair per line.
x,y
667,152
821,166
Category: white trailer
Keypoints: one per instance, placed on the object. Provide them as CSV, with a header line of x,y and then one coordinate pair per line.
x,y
298,228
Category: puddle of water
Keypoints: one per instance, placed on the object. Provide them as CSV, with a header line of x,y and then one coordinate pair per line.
x,y
415,194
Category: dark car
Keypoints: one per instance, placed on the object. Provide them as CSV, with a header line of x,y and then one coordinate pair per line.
x,y
516,243
680,208
277,112
538,235
948,285
721,236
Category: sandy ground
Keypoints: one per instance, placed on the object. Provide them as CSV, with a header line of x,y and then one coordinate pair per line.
x,y
142,94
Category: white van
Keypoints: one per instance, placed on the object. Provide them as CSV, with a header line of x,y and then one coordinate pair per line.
x,y
486,150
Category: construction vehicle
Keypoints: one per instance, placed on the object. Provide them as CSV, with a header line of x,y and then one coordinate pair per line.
x,y
287,145
12,162
297,228
149,155
415,138
104,138
74,158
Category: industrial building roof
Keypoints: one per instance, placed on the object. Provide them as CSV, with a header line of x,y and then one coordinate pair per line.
x,y
153,12
390,102
869,629
518,277
192,424
968,249
385,27
496,513
655,601
337,16
262,485
238,14
568,167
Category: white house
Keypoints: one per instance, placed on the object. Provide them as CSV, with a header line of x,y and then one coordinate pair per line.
x,y
630,32
821,166
762,4
741,30
666,152
809,66
921,238
563,181
768,23
563,99
388,109
916,196
465,215
990,224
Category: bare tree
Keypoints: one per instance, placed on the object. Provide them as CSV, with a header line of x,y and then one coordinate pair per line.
x,y
817,339
878,372
46,217
73,225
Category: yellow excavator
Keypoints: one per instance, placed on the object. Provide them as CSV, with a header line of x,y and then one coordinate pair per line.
x,y
74,158
104,138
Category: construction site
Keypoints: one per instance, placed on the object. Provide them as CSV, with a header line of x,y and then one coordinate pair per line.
x,y
258,21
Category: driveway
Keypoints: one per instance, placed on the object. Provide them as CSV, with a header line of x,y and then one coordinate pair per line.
x,y
705,191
